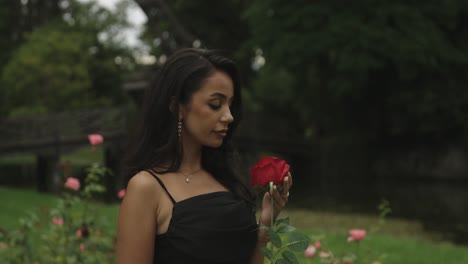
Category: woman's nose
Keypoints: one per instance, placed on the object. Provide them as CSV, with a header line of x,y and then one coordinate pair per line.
x,y
227,116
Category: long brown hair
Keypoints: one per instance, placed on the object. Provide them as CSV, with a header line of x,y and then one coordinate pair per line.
x,y
155,142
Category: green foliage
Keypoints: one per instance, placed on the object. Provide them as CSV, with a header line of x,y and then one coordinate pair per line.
x,y
9,12
49,73
70,232
295,241
395,68
68,63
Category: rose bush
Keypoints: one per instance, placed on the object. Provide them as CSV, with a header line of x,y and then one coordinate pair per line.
x,y
354,240
69,232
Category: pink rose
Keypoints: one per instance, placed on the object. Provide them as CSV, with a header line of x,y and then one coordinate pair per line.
x,y
82,247
317,244
95,139
269,169
57,221
356,234
324,254
121,194
78,233
310,251
72,183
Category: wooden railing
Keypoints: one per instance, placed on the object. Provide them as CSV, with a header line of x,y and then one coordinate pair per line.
x,y
62,130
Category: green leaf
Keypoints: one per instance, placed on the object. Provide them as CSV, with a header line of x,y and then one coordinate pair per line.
x,y
298,241
281,261
286,229
290,257
284,220
274,238
267,253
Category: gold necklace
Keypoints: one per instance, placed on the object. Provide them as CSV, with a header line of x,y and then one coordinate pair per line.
x,y
187,175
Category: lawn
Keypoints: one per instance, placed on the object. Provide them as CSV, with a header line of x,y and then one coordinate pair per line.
x,y
16,203
400,241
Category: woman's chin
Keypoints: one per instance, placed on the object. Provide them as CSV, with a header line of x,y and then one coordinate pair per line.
x,y
214,144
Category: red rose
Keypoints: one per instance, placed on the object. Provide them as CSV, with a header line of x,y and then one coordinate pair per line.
x,y
269,169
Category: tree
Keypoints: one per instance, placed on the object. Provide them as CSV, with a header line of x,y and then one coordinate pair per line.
x,y
68,64
205,24
385,69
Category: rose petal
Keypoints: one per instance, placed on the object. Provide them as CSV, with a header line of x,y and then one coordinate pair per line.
x,y
264,161
356,234
57,221
324,254
269,169
121,194
262,175
72,183
310,251
95,139
317,244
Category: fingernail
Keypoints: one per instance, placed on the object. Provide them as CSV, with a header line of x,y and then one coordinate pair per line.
x,y
286,178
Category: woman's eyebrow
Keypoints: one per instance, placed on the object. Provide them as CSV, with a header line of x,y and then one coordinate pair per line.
x,y
220,95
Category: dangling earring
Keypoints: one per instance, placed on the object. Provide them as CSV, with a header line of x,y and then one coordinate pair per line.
x,y
179,128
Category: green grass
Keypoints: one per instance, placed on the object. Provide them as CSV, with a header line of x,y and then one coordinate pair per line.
x,y
393,241
394,250
402,241
16,203
84,156
18,159
79,156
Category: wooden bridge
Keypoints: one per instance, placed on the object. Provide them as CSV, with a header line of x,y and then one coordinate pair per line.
x,y
49,137
60,133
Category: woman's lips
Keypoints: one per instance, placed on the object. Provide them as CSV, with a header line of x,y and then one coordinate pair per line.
x,y
221,133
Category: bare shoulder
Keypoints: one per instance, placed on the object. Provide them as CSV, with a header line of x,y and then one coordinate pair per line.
x,y
143,186
137,223
143,181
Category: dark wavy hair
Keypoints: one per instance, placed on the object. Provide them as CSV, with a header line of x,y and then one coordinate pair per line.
x,y
155,142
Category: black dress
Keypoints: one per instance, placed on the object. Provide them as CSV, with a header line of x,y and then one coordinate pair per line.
x,y
212,228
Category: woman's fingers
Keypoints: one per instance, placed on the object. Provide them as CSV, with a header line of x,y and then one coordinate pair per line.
x,y
287,183
279,200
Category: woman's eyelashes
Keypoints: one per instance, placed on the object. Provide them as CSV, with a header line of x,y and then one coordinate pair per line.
x,y
215,106
218,104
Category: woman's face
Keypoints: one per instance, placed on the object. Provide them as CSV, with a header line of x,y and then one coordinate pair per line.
x,y
206,117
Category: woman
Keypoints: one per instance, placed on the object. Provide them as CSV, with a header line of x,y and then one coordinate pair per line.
x,y
185,200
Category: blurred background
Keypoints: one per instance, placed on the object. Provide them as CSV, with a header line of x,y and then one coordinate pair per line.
x,y
367,100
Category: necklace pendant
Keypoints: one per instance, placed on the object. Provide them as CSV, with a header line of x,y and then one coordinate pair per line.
x,y
187,180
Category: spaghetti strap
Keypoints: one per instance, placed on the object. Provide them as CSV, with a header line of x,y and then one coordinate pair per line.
x,y
162,185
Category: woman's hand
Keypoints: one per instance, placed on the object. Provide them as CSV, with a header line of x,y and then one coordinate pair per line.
x,y
279,198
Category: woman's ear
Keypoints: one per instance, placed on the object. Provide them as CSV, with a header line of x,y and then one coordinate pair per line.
x,y
172,104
